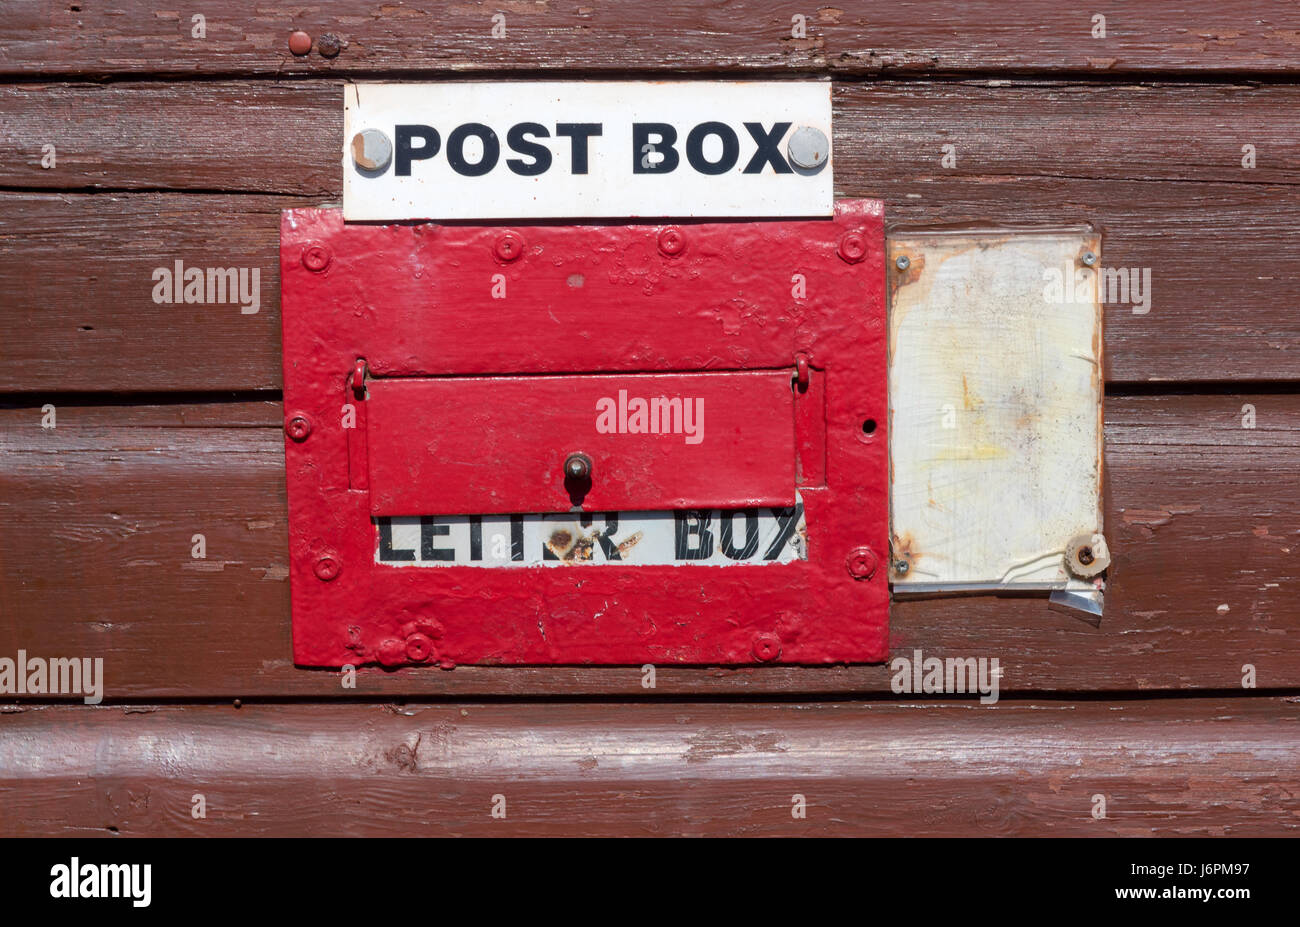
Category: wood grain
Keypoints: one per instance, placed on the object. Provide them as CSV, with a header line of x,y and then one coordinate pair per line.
x,y
751,36
1151,166
97,517
287,137
1182,767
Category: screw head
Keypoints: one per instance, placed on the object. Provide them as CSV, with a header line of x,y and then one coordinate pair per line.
x,y
419,649
577,466
509,247
299,43
1088,259
853,247
902,262
329,45
672,241
372,152
298,427
327,567
766,647
316,257
902,567
1085,555
808,148
861,563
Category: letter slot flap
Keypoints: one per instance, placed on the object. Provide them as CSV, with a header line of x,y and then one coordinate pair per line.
x,y
619,442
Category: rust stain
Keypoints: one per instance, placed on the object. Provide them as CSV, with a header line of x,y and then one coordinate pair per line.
x,y
633,541
582,550
903,547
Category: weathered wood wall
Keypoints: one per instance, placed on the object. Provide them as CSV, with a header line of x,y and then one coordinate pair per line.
x,y
170,147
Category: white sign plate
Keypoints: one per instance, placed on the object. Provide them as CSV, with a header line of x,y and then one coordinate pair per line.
x,y
995,400
577,149
699,538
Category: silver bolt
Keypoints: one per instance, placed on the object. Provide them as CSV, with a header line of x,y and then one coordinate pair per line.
x,y
808,148
901,567
577,466
371,151
902,262
1088,259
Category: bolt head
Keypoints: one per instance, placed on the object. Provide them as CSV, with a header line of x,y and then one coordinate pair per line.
x,y
861,563
299,43
419,649
329,45
509,247
577,466
1085,555
372,152
766,647
672,241
316,257
808,149
1088,259
902,262
853,247
327,567
298,427
902,567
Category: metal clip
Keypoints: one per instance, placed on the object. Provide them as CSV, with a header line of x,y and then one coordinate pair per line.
x,y
801,371
359,378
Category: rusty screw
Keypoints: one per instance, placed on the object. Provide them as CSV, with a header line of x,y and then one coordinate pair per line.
x,y
316,257
861,563
577,466
672,241
327,567
329,45
853,247
902,262
901,567
1085,555
299,43
509,247
298,428
767,646
1088,259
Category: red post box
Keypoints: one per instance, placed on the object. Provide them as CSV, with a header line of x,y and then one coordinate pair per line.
x,y
586,444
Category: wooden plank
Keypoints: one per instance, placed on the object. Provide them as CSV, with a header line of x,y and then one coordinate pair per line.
x,y
1168,767
79,313
1019,158
259,137
77,274
910,36
97,519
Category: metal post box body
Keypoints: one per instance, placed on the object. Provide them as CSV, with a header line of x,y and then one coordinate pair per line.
x,y
718,387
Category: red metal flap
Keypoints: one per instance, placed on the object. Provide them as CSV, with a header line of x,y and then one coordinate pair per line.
x,y
485,445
